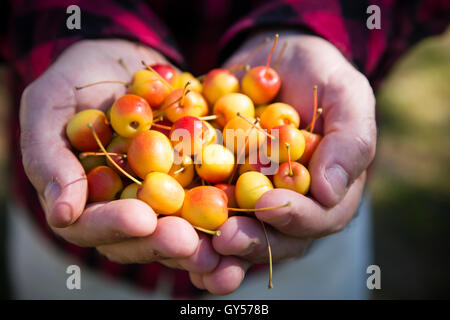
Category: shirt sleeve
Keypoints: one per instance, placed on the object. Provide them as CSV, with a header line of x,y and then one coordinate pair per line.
x,y
345,24
37,31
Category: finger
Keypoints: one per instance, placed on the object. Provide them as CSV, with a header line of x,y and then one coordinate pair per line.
x,y
205,258
197,280
110,222
52,168
348,145
244,237
173,238
170,263
227,277
306,218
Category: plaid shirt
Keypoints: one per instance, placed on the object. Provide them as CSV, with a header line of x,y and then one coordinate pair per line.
x,y
36,33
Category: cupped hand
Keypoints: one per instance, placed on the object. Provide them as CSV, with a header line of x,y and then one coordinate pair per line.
x,y
338,165
126,231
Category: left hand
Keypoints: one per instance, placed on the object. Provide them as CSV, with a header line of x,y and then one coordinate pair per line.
x,y
337,167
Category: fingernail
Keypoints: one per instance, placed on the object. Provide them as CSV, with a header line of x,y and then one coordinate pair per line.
x,y
338,180
60,214
51,193
253,243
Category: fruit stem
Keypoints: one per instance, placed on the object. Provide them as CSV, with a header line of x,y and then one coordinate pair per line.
x,y
200,78
238,67
271,52
158,119
211,117
287,204
249,56
211,232
126,174
88,154
124,66
255,126
315,110
269,251
158,75
318,113
288,147
161,126
179,170
280,55
185,92
160,111
102,82
242,151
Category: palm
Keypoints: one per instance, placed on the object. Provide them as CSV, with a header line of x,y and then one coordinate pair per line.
x,y
49,103
338,165
89,62
126,231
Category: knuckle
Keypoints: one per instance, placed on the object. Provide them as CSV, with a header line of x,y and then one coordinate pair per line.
x,y
367,90
29,92
171,263
27,96
28,143
334,226
298,249
27,121
67,236
366,140
338,227
33,91
366,147
31,165
341,221
108,254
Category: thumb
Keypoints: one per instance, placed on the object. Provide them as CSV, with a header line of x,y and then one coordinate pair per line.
x,y
61,184
348,145
52,168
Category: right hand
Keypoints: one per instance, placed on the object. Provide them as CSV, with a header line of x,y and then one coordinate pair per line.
x,y
125,231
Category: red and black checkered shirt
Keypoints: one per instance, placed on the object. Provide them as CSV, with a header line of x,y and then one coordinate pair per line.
x,y
195,34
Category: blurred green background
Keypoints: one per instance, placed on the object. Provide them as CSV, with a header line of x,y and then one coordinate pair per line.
x,y
410,184
411,181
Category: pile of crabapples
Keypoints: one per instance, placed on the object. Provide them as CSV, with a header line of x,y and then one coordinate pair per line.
x,y
197,148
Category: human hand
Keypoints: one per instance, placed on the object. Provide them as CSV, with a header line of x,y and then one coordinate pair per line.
x,y
126,231
338,165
